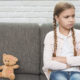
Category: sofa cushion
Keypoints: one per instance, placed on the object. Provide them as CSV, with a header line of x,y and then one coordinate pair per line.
x,y
22,41
43,77
24,77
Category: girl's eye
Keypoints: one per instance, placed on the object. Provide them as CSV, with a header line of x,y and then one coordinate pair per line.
x,y
66,17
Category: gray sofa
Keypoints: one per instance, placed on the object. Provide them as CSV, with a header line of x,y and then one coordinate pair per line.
x,y
25,41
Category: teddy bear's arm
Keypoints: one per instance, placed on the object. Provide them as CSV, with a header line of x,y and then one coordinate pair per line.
x,y
1,67
16,66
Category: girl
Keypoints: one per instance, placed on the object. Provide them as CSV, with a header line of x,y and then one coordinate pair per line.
x,y
61,56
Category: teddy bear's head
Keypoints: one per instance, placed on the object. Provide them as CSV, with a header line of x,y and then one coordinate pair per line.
x,y
9,60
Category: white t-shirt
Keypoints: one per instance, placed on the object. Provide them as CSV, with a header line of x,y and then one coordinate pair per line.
x,y
64,48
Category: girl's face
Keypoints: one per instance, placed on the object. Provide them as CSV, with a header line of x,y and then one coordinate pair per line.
x,y
66,19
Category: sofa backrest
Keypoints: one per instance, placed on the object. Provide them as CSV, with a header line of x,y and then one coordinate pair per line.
x,y
22,41
25,41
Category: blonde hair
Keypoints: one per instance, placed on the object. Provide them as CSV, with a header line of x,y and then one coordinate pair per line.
x,y
60,7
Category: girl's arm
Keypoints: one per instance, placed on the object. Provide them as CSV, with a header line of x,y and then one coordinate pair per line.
x,y
49,63
47,55
60,59
71,61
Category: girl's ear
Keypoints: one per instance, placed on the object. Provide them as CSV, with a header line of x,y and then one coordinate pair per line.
x,y
57,18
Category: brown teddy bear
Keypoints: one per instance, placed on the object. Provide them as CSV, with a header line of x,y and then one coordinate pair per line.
x,y
8,67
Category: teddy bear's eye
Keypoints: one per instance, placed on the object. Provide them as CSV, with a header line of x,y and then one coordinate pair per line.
x,y
7,60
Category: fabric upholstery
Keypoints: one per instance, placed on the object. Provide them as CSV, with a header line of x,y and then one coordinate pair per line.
x,y
22,41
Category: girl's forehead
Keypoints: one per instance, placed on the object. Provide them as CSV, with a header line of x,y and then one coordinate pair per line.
x,y
70,11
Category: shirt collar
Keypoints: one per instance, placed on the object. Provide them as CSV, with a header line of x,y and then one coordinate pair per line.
x,y
61,35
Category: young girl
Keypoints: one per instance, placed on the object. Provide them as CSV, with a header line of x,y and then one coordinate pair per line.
x,y
61,56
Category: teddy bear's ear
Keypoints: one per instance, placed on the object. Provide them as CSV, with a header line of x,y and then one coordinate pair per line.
x,y
4,54
16,59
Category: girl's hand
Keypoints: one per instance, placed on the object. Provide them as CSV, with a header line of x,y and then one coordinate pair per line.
x,y
68,66
60,59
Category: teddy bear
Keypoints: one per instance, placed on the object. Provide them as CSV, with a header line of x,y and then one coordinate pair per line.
x,y
9,66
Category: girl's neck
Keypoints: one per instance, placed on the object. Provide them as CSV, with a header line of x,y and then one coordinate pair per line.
x,y
64,31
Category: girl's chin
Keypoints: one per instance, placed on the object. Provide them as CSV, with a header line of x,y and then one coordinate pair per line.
x,y
69,27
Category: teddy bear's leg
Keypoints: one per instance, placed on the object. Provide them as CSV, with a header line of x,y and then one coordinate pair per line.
x,y
0,74
12,77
